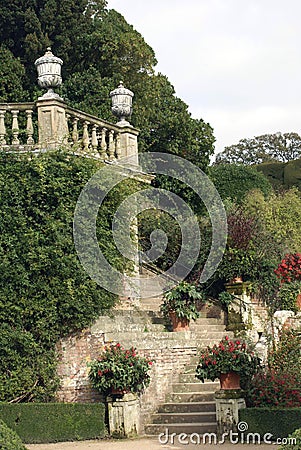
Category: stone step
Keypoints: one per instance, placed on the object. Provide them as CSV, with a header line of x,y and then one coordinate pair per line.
x,y
187,407
186,397
208,321
189,417
188,377
178,428
210,334
196,386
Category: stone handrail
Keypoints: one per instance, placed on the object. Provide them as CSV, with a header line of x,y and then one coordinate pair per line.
x,y
19,134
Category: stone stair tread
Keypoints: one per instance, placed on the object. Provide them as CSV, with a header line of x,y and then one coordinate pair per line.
x,y
193,406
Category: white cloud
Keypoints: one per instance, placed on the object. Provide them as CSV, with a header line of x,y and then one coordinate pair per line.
x,y
236,63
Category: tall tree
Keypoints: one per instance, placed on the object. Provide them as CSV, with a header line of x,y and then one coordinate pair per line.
x,y
266,148
99,48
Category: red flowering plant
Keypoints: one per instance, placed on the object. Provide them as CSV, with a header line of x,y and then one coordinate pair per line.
x,y
119,369
290,268
227,356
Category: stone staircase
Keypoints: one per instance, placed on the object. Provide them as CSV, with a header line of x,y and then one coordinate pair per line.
x,y
190,406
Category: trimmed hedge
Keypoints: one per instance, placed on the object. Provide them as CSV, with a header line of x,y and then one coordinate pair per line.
x,y
9,440
282,174
280,422
55,422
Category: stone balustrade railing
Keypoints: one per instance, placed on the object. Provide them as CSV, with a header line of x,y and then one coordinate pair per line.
x,y
17,126
50,123
93,136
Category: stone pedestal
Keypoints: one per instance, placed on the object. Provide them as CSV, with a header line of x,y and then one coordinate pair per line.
x,y
129,143
228,404
124,415
53,128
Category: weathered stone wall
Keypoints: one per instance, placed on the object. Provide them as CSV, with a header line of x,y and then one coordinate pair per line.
x,y
169,358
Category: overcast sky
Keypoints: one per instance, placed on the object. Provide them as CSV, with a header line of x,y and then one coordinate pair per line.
x,y
236,63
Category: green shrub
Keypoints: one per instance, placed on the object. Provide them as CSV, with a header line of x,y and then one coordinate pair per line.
x,y
52,422
235,181
279,385
273,171
296,436
279,422
292,173
9,440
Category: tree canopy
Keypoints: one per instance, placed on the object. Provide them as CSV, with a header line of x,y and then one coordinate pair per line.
x,y
99,48
261,149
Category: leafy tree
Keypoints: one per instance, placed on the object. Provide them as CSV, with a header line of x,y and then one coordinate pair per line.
x,y
11,73
266,148
99,48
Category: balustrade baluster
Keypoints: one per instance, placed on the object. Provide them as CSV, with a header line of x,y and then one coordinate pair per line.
x,y
75,131
118,148
103,145
15,127
111,146
94,140
86,139
2,128
29,127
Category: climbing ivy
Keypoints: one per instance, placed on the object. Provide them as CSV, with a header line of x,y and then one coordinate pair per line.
x,y
45,293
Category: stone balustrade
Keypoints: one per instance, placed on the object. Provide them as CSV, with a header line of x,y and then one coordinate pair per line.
x,y
50,123
97,137
17,129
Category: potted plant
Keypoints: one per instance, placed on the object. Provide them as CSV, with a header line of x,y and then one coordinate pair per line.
x,y
119,371
228,360
180,306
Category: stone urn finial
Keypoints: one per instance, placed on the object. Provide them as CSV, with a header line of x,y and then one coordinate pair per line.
x,y
49,73
122,104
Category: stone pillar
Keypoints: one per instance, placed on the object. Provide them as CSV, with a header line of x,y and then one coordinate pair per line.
x,y
129,143
124,415
228,404
53,127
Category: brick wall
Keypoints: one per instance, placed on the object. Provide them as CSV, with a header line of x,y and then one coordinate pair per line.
x,y
78,349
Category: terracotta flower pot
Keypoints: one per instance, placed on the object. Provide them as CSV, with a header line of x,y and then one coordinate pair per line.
x,y
298,301
230,380
178,324
236,280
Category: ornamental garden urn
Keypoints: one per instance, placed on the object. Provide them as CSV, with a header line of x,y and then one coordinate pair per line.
x,y
49,73
122,104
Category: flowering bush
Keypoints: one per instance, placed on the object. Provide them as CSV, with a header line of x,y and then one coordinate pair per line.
x,y
227,356
290,268
119,369
280,384
274,389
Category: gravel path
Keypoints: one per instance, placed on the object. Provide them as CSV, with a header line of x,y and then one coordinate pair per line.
x,y
141,444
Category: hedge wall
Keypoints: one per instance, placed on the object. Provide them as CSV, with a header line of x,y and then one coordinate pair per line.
x,y
279,422
55,422
282,174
